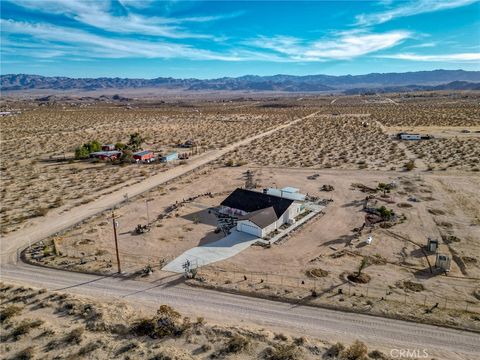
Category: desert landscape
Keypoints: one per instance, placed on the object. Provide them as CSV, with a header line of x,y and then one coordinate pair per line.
x,y
242,180
341,153
42,324
39,172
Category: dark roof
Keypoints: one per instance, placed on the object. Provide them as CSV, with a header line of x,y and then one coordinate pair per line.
x,y
262,218
249,201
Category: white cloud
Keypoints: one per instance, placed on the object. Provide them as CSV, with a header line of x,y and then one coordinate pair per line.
x,y
463,57
346,45
77,42
410,8
99,14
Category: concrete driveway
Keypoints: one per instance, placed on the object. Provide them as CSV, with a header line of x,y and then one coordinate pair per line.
x,y
219,250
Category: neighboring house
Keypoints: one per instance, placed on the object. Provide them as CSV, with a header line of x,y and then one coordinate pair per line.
x,y
106,155
144,155
170,157
108,147
260,213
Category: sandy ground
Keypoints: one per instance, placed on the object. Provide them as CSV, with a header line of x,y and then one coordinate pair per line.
x,y
446,206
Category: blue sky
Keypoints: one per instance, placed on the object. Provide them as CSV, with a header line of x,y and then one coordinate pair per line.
x,y
208,39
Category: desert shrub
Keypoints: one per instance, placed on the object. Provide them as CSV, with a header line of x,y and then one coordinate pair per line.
x,y
25,354
24,327
357,351
161,357
127,347
300,341
385,213
205,347
335,350
409,165
9,312
229,163
40,211
165,323
280,336
377,355
236,344
90,347
283,352
143,327
75,336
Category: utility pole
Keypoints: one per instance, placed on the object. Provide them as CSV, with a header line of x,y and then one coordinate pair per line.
x,y
148,215
115,225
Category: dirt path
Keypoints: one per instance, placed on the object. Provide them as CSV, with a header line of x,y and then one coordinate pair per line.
x,y
54,223
229,309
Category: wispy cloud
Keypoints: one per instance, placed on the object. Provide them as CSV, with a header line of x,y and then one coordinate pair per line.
x,y
102,15
346,45
78,42
409,8
464,57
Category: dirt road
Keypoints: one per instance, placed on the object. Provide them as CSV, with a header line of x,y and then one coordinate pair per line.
x,y
53,223
239,310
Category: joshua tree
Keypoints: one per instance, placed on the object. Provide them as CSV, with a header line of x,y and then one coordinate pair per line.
x,y
135,141
363,265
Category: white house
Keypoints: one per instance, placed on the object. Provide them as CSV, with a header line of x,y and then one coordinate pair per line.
x,y
260,213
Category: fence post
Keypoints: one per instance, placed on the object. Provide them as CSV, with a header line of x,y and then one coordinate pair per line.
x,y
425,300
466,306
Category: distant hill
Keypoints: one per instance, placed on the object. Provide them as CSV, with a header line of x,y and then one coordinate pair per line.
x,y
421,80
454,85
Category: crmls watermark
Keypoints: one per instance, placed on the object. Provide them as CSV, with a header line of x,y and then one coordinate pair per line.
x,y
409,353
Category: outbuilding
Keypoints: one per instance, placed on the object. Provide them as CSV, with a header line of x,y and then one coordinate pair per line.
x,y
443,259
170,157
144,155
106,155
108,147
405,136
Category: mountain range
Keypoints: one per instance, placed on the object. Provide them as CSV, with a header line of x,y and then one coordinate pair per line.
x,y
374,82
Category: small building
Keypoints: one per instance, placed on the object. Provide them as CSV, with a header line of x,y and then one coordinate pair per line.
x,y
259,213
144,155
432,245
443,259
406,136
108,147
170,157
106,155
